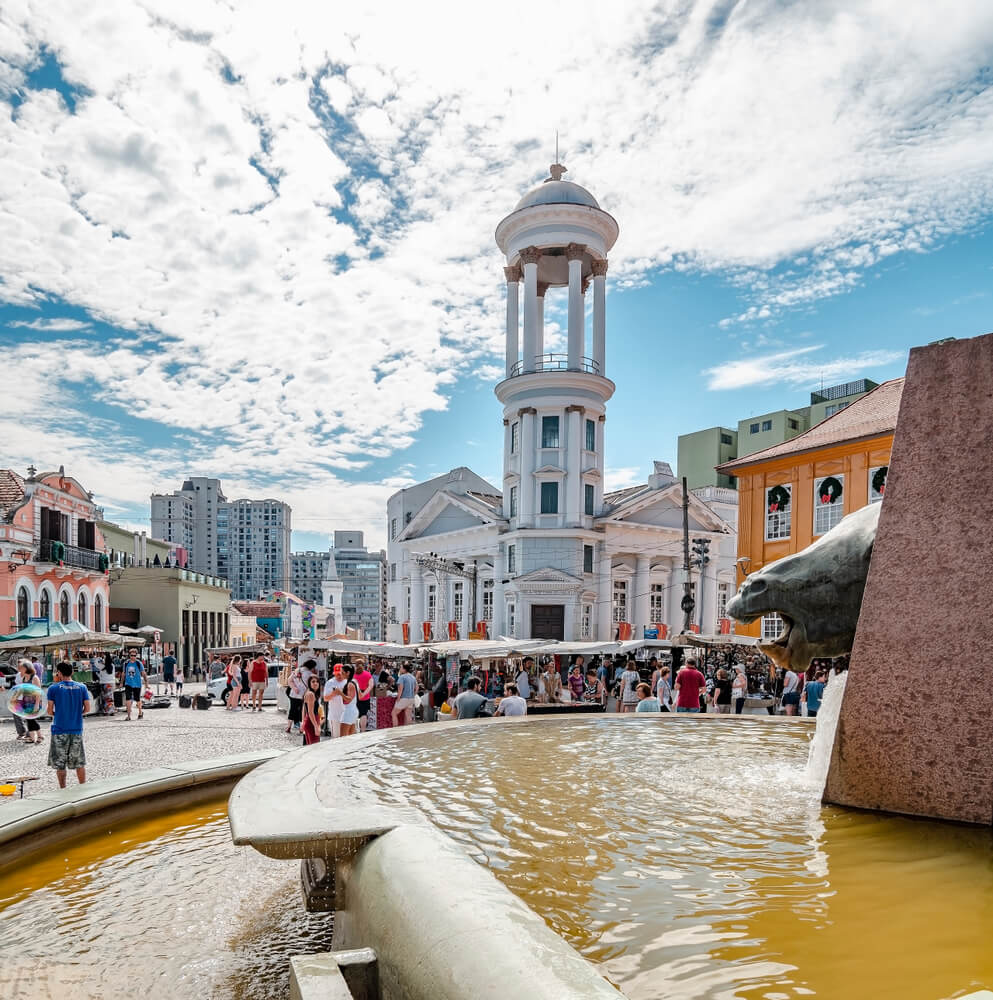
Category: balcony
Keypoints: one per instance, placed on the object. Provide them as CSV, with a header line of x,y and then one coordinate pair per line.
x,y
556,363
54,551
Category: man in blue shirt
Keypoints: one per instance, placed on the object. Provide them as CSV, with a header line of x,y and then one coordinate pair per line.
x,y
403,710
134,678
68,701
813,692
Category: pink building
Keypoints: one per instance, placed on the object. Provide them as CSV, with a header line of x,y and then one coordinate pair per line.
x,y
53,561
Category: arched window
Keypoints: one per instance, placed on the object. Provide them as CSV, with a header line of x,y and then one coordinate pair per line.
x,y
81,611
45,605
64,608
98,613
22,608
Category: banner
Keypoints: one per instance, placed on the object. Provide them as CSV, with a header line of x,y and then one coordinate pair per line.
x,y
406,633
482,630
725,626
695,629
624,631
453,631
651,632
427,631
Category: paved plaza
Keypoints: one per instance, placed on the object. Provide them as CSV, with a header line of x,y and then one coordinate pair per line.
x,y
164,736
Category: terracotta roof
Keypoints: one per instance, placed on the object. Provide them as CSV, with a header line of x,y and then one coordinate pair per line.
x,y
258,609
873,414
11,491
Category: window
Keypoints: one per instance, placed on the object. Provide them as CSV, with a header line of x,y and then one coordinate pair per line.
x,y
406,617
487,600
513,501
794,425
432,601
515,437
590,435
408,516
830,411
778,504
549,432
620,600
772,626
753,428
549,498
64,609
98,613
81,611
828,503
767,425
586,622
589,497
511,558
393,528
393,572
877,483
22,608
457,603
587,558
512,620
727,439
723,595
656,603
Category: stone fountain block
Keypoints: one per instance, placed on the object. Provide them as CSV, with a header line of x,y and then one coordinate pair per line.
x,y
915,734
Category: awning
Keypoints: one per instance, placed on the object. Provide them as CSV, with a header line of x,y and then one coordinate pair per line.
x,y
692,639
46,635
392,650
255,647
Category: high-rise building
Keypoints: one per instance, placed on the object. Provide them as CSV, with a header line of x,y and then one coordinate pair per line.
x,y
307,570
253,546
363,577
188,517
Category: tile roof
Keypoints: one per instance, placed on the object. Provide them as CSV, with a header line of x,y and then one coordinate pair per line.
x,y
11,491
258,609
494,500
617,497
873,414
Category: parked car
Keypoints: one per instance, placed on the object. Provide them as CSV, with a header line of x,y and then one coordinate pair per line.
x,y
216,686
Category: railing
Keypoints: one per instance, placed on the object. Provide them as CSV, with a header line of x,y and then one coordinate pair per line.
x,y
54,551
556,363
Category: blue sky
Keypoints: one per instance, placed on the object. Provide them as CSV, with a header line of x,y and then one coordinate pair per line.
x,y
261,247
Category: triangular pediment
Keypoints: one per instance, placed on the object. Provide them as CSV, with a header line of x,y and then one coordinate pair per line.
x,y
548,575
549,470
664,508
443,513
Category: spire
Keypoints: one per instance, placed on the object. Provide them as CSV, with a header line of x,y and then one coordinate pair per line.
x,y
331,573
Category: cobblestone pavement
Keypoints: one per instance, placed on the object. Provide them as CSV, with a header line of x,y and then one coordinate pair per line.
x,y
164,736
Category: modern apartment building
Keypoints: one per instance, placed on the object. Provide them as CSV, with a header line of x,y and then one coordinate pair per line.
x,y
701,451
245,541
253,546
307,570
188,517
363,575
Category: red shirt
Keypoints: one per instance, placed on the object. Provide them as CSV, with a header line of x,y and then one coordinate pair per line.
x,y
259,670
362,679
690,681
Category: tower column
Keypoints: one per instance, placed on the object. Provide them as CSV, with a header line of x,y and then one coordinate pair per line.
x,y
540,344
574,253
574,466
416,602
513,276
530,258
642,594
604,629
600,315
499,572
525,503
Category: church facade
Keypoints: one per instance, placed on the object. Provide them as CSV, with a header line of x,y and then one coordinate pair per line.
x,y
550,553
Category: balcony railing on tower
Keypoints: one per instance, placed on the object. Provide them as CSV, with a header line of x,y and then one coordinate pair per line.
x,y
53,551
556,363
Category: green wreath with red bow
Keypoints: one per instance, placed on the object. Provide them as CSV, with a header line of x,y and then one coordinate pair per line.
x,y
778,499
830,490
879,480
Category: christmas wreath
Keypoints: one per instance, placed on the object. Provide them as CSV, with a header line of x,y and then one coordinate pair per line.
x,y
879,480
830,490
778,499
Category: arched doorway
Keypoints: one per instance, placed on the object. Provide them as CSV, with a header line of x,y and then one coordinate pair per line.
x,y
98,613
23,605
81,616
45,606
64,608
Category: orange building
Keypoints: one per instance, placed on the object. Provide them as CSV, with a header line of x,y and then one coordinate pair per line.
x,y
792,493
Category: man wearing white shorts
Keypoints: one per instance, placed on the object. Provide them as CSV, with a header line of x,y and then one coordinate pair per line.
x,y
406,689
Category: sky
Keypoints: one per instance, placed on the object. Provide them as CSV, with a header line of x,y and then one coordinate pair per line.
x,y
256,242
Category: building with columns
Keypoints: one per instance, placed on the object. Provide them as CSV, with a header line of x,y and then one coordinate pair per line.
x,y
551,554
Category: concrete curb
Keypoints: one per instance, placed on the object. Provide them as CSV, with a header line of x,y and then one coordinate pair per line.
x,y
30,824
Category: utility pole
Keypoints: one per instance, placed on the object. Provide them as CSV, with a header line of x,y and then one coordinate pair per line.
x,y
701,548
687,602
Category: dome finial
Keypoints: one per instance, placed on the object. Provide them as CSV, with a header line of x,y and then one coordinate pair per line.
x,y
556,170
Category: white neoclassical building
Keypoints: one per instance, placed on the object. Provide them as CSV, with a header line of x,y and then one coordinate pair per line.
x,y
551,554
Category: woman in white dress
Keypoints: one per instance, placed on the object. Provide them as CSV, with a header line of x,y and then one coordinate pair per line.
x,y
333,698
350,702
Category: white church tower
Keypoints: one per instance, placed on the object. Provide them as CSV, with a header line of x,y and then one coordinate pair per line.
x,y
332,590
554,404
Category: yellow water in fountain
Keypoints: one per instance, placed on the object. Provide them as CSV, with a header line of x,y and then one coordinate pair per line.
x,y
686,858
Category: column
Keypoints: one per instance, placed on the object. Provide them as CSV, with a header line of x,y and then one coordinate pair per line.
x,y
507,465
499,573
708,589
416,603
574,466
574,254
513,276
441,609
600,315
642,594
479,597
540,344
604,624
525,502
530,258
468,599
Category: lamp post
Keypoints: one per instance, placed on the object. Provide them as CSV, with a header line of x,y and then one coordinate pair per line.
x,y
701,548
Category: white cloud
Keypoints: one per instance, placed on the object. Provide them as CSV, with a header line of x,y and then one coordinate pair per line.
x,y
621,478
795,367
289,208
51,325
